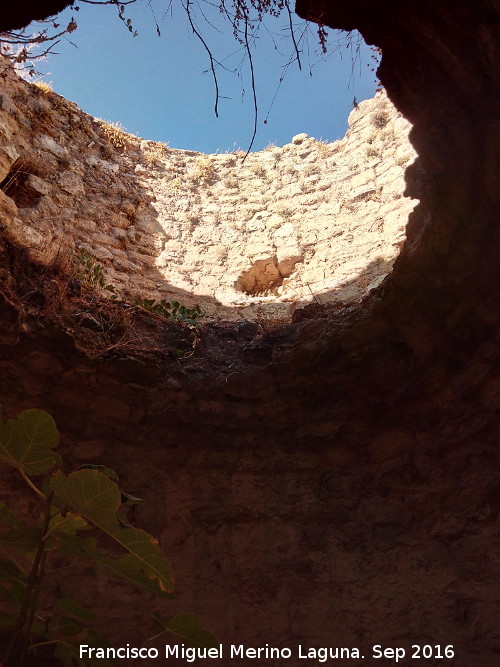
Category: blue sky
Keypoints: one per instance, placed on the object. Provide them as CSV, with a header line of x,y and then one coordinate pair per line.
x,y
156,86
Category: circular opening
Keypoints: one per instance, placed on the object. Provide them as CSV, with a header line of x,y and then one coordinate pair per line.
x,y
243,238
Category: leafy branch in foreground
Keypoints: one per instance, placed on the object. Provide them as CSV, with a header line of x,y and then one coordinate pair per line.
x,y
86,500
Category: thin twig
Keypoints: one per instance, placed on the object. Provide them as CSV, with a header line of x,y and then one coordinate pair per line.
x,y
193,28
247,45
292,34
108,2
314,295
16,563
33,605
21,619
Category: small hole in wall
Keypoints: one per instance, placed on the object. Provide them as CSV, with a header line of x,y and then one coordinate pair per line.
x,y
265,276
21,185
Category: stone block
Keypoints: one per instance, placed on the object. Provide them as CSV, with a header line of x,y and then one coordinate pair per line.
x,y
299,138
71,183
48,143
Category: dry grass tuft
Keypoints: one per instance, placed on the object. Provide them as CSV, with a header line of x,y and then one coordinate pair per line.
x,y
324,148
285,211
44,87
259,171
311,170
231,182
380,119
371,151
155,153
205,170
116,135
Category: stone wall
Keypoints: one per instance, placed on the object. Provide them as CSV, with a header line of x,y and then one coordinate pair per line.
x,y
254,237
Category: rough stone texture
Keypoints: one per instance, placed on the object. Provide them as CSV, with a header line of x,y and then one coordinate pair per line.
x,y
257,238
334,483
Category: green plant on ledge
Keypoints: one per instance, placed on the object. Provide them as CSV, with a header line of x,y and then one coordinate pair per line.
x,y
173,310
186,316
76,510
89,271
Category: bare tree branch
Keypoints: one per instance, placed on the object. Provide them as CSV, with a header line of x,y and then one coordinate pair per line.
x,y
216,83
255,117
108,2
292,33
245,17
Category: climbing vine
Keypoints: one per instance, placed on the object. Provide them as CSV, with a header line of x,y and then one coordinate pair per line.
x,y
75,510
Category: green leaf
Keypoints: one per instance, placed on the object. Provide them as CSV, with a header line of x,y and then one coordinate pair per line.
x,y
111,474
7,621
12,596
92,495
68,525
22,540
188,628
68,651
27,442
73,545
67,654
14,588
8,518
8,570
125,566
68,627
72,607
